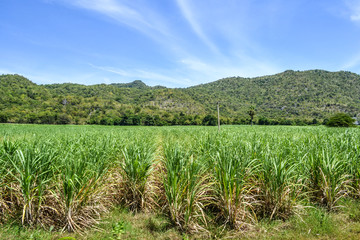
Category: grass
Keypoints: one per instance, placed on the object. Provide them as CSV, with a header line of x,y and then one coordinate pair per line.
x,y
314,223
119,224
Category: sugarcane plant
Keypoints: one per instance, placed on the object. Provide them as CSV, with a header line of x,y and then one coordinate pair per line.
x,y
135,170
186,187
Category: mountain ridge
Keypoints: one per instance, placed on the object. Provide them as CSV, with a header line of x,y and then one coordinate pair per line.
x,y
291,95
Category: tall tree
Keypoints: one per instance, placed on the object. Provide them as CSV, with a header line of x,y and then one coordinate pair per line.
x,y
251,113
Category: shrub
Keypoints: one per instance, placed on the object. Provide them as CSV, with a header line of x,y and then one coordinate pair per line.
x,y
340,120
209,120
3,118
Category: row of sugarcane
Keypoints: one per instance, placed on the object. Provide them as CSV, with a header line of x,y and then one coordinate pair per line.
x,y
232,179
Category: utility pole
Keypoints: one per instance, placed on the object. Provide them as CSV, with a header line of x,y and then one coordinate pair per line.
x,y
218,112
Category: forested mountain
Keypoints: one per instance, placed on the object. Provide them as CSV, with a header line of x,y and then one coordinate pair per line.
x,y
291,97
291,94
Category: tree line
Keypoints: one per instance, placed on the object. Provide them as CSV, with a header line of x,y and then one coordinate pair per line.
x,y
289,98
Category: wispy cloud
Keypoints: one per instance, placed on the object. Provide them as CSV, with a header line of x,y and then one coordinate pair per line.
x,y
50,77
353,9
197,62
352,63
115,10
141,18
6,71
232,24
207,71
156,78
195,25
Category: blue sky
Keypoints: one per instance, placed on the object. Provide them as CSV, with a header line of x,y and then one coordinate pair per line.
x,y
175,43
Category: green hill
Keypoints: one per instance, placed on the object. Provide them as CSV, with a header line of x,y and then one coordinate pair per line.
x,y
305,95
288,97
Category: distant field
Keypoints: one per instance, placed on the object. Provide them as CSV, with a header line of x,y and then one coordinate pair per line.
x,y
179,182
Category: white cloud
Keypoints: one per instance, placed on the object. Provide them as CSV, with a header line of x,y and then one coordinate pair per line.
x,y
355,17
353,9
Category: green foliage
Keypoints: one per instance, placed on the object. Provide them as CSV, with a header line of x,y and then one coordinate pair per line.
x,y
185,186
292,94
316,222
66,177
32,171
209,120
279,185
251,113
340,120
136,168
82,171
118,229
3,118
232,170
288,98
